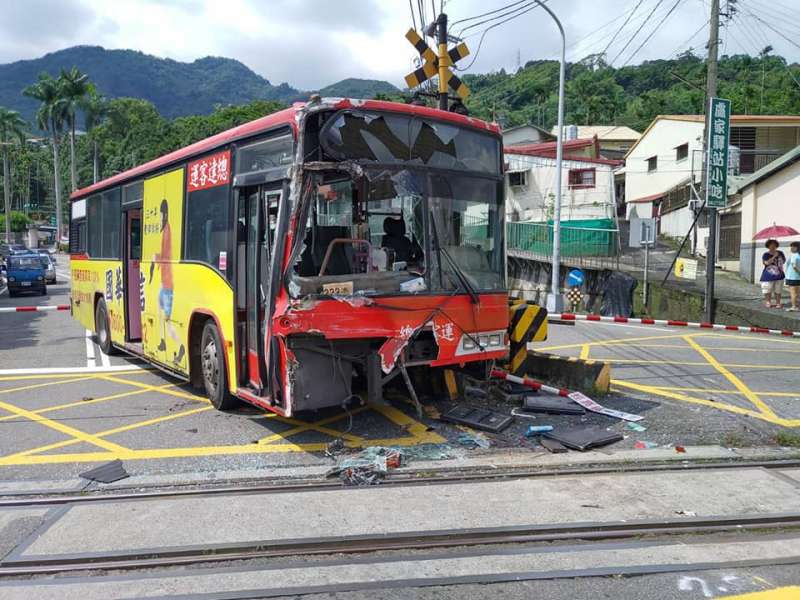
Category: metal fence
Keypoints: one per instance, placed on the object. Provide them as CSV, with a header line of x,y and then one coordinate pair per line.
x,y
580,246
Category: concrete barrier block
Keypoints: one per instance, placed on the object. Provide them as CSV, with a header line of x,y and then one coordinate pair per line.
x,y
568,371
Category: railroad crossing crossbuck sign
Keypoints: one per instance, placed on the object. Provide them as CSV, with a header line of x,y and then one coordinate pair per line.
x,y
430,65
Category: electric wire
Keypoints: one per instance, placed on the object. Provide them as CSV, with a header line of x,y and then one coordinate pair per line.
x,y
653,32
636,33
524,6
413,16
483,35
627,20
491,12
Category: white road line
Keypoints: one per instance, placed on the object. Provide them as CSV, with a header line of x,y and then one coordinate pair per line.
x,y
70,370
103,356
64,275
3,290
90,362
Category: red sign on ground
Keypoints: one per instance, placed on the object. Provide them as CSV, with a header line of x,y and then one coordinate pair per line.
x,y
209,171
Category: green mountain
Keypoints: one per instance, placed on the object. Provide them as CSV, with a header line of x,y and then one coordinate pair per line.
x,y
600,94
174,88
358,88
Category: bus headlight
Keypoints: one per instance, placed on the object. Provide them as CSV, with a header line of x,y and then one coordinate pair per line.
x,y
474,343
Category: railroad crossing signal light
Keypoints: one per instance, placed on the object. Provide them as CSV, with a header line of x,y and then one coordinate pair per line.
x,y
430,65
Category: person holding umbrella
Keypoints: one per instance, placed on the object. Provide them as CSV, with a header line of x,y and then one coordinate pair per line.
x,y
772,276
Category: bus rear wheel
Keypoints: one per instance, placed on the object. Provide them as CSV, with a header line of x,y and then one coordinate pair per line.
x,y
212,362
102,328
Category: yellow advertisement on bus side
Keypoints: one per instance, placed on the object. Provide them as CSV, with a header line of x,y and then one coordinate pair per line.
x,y
163,329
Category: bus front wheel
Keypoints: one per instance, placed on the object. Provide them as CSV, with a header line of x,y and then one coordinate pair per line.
x,y
212,361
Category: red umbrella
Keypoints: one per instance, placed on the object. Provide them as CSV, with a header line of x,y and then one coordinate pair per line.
x,y
775,231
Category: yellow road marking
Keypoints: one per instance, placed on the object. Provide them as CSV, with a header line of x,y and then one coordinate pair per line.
x,y
61,428
721,348
635,361
731,392
783,593
38,385
58,375
302,426
154,388
585,349
771,339
77,403
614,341
718,405
121,429
737,383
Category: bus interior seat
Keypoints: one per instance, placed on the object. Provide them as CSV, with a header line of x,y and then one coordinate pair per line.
x,y
395,239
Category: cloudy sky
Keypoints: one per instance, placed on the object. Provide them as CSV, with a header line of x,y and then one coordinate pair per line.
x,y
311,43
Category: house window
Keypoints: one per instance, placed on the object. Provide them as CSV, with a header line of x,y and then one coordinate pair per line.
x,y
682,152
518,178
581,178
652,164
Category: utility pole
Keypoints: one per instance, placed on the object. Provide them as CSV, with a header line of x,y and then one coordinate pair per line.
x,y
444,60
711,92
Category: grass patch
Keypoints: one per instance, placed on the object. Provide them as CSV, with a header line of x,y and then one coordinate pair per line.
x,y
788,438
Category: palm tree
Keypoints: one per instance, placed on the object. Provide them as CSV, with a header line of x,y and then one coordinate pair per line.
x,y
74,87
50,117
95,110
12,127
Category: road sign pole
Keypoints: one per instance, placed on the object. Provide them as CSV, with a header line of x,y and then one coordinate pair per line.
x,y
444,60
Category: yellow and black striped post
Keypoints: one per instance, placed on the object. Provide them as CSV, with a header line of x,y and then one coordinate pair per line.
x,y
527,323
434,65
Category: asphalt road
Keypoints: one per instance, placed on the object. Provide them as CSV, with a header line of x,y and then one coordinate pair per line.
x,y
65,407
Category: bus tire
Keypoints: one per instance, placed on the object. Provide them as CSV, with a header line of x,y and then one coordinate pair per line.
x,y
102,328
212,363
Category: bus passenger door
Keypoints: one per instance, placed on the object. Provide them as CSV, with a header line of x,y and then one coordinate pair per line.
x,y
133,289
255,294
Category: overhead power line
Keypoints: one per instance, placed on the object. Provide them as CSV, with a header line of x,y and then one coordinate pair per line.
x,y
630,41
491,12
529,8
525,5
652,33
630,15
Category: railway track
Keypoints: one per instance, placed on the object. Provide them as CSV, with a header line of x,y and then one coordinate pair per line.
x,y
396,478
595,532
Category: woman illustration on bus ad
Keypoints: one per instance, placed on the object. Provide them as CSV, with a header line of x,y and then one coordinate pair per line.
x,y
166,293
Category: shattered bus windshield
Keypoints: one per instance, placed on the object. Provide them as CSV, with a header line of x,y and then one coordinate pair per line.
x,y
384,232
391,139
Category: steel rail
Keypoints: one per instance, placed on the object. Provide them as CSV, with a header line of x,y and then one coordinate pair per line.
x,y
193,555
454,475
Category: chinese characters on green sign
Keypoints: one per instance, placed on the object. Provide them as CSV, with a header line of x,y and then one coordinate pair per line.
x,y
719,123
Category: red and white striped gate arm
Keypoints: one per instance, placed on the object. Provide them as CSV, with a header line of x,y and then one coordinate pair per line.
x,y
531,383
47,307
673,323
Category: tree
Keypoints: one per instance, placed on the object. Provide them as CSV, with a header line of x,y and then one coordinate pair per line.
x,y
50,117
12,127
95,111
18,221
74,88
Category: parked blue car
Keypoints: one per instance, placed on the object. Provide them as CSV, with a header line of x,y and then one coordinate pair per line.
x,y
25,273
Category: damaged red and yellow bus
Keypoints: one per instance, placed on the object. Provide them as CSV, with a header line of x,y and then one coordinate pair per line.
x,y
303,258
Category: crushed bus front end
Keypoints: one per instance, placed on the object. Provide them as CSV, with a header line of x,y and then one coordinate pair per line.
x,y
394,256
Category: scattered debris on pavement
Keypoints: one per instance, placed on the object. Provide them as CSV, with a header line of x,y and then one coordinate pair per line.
x,y
371,465
553,446
107,473
551,406
636,427
473,440
644,445
534,430
584,438
478,418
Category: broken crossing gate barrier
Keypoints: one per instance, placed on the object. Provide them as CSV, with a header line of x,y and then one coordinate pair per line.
x,y
576,397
